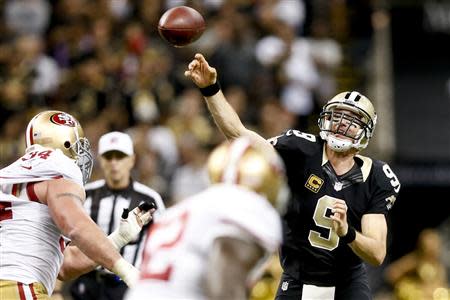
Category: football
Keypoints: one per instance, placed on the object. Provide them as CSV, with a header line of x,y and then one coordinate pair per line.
x,y
181,25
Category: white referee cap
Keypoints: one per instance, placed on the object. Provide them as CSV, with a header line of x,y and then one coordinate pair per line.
x,y
115,141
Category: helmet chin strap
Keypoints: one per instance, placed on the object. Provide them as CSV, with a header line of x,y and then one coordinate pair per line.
x,y
337,144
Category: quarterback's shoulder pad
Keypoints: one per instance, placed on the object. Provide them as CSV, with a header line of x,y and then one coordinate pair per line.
x,y
296,140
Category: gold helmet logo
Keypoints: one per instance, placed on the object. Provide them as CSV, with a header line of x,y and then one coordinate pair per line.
x,y
63,119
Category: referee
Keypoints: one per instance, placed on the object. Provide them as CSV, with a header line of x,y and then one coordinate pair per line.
x,y
105,201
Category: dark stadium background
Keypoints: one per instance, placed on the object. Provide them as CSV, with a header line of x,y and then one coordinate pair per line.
x,y
421,56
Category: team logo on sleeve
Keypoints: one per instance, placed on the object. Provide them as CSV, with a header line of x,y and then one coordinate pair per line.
x,y
390,201
314,183
63,119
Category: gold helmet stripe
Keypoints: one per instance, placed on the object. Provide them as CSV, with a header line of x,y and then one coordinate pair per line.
x,y
236,151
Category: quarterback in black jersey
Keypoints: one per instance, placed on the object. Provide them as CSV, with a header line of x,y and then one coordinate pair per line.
x,y
339,199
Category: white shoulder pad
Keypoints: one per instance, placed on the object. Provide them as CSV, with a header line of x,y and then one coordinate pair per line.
x,y
251,212
40,164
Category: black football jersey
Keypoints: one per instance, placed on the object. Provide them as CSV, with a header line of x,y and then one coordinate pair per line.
x,y
312,252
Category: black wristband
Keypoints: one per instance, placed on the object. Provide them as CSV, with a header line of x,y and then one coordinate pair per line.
x,y
350,236
210,90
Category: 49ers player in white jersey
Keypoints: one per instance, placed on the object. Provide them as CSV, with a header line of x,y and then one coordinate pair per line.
x,y
213,245
41,199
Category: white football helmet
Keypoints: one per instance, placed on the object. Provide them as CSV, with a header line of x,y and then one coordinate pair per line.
x,y
241,162
348,114
59,130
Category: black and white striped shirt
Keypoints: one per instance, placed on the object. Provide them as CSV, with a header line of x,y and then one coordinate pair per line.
x,y
105,207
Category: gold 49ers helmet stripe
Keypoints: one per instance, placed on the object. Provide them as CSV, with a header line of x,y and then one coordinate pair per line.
x,y
236,151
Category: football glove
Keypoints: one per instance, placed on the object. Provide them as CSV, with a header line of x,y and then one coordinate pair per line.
x,y
131,224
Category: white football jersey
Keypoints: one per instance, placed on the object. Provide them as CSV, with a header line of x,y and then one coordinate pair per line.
x,y
177,247
31,245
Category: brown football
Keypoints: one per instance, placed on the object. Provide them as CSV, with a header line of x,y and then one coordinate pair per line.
x,y
181,25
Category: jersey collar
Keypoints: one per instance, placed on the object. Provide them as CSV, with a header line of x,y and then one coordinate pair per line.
x,y
366,165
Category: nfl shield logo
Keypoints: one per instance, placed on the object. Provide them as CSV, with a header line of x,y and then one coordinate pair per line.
x,y
338,186
284,285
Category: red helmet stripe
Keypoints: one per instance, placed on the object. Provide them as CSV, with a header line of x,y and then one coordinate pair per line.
x,y
30,135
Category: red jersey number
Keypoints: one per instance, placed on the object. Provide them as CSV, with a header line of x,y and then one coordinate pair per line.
x,y
37,154
161,240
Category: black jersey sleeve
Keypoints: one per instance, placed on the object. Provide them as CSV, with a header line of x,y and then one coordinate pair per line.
x,y
386,188
294,142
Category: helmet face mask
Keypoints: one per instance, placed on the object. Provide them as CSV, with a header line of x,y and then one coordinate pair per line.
x,y
347,121
59,130
242,163
83,157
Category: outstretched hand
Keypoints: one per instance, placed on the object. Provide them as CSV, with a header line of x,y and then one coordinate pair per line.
x,y
200,72
339,218
143,214
131,224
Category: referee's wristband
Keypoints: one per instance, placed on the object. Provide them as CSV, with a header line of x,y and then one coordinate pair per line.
x,y
350,236
210,90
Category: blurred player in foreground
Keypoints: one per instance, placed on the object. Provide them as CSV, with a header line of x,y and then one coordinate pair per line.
x,y
41,200
336,216
214,245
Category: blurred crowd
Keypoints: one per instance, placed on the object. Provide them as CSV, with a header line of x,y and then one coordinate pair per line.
x,y
103,61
